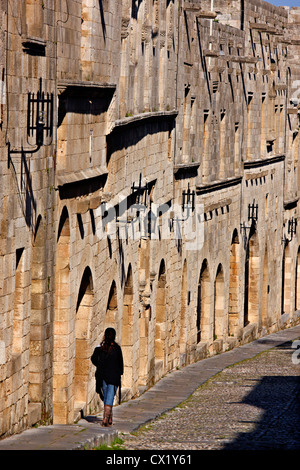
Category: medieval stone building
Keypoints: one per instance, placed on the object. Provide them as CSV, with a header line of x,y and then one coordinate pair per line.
x,y
149,181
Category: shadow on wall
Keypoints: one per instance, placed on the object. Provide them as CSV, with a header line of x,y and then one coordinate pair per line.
x,y
279,428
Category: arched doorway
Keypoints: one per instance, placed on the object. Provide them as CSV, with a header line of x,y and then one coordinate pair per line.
x,y
145,314
84,310
234,276
127,331
219,304
160,322
203,304
62,355
145,317
251,290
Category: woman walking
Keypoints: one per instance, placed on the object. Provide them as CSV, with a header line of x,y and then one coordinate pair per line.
x,y
108,360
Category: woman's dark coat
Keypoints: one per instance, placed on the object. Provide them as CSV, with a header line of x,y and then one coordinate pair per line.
x,y
109,367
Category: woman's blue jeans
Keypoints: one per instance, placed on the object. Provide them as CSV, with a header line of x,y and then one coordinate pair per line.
x,y
109,392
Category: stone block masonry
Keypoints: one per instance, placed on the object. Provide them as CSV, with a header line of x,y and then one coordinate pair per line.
x,y
149,181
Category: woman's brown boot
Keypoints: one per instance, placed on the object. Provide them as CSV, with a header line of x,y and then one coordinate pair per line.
x,y
110,417
106,414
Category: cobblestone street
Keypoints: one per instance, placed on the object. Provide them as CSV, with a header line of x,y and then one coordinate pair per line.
x,y
252,405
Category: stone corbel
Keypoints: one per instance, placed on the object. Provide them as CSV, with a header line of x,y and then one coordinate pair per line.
x,y
210,53
146,33
210,15
125,27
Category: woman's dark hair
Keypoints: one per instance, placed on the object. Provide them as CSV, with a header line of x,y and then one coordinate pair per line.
x,y
109,338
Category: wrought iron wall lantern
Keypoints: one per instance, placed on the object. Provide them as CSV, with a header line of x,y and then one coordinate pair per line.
x,y
188,199
292,230
292,227
140,190
39,123
40,118
253,211
253,216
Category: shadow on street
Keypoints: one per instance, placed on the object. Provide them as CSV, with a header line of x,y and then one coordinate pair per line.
x,y
279,427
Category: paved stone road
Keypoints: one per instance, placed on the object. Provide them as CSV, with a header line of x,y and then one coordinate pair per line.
x,y
253,404
250,406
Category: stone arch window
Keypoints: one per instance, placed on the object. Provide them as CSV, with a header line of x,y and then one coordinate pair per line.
x,y
163,57
234,275
219,304
186,124
203,304
237,148
160,324
170,25
281,130
206,149
62,354
271,116
127,330
135,86
84,310
263,127
223,145
124,62
250,127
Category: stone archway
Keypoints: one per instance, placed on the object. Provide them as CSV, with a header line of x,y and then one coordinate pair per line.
x,y
252,271
234,276
203,304
84,310
219,304
127,331
160,322
62,350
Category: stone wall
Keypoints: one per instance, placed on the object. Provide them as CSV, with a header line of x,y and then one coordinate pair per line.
x,y
157,193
